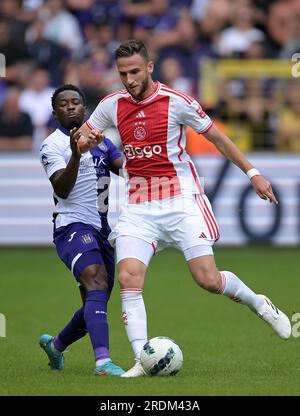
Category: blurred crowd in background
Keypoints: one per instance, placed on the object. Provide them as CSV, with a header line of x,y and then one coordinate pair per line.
x,y
50,42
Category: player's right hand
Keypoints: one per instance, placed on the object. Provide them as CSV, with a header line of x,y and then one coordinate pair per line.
x,y
263,188
74,137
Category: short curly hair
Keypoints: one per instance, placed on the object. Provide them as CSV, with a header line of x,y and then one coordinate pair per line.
x,y
67,87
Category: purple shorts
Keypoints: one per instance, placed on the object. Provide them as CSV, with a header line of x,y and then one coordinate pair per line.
x,y
80,245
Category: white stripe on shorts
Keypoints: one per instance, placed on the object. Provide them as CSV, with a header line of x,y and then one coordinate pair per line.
x,y
75,260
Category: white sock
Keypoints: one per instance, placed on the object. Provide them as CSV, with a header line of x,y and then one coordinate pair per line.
x,y
102,361
235,289
134,318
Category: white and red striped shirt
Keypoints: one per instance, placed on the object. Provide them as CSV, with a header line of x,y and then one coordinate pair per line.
x,y
153,136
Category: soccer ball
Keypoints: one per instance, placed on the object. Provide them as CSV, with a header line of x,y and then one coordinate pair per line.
x,y
161,356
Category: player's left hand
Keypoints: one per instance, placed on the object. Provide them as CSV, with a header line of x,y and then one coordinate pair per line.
x,y
93,139
263,188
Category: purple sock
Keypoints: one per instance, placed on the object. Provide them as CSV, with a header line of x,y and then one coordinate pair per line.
x,y
73,331
95,316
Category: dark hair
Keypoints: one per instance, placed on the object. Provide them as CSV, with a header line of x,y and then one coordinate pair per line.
x,y
67,87
131,47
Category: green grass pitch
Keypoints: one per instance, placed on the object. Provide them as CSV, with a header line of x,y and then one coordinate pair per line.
x,y
227,349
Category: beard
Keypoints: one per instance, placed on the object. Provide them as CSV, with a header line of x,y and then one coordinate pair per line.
x,y
140,96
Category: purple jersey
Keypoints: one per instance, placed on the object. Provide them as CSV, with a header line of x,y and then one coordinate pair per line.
x,y
103,156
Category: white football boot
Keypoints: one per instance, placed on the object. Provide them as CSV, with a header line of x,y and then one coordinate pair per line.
x,y
136,371
277,320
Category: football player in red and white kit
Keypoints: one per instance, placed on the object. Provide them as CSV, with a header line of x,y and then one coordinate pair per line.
x,y
166,204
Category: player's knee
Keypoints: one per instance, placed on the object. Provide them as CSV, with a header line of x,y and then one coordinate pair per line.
x,y
94,277
130,278
209,280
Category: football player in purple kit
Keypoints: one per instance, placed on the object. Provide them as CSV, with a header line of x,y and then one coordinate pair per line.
x,y
80,182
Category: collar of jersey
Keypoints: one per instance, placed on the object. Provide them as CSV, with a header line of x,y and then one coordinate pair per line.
x,y
150,97
64,131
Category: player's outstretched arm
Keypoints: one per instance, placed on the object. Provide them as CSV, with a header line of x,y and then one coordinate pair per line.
x,y
261,186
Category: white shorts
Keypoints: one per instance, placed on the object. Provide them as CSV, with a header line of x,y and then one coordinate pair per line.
x,y
185,222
